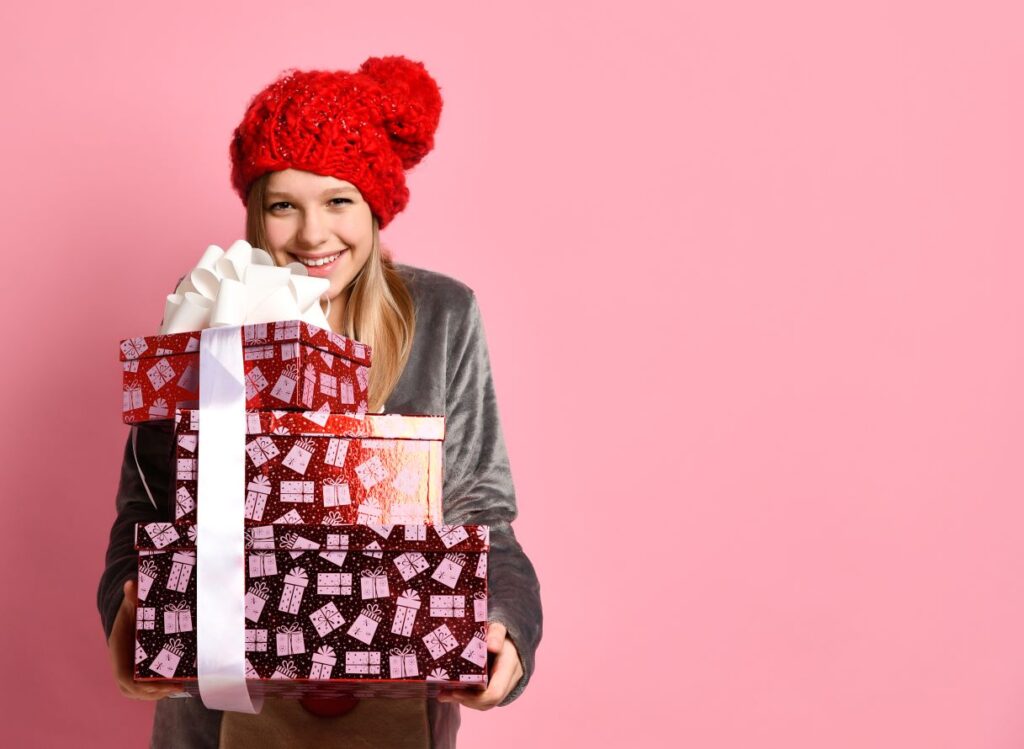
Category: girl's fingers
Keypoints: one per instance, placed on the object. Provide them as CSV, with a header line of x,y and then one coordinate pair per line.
x,y
495,637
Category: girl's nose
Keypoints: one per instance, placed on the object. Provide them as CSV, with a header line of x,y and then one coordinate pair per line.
x,y
312,232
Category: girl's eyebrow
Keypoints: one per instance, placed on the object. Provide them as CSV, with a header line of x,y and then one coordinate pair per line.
x,y
328,191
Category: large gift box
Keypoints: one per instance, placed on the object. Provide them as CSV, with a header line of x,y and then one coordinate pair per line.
x,y
302,467
356,609
288,365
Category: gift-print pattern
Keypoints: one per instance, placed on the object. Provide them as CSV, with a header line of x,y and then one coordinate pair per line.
x,y
314,625
336,368
371,469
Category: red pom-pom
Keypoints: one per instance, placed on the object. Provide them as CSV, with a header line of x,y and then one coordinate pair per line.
x,y
413,107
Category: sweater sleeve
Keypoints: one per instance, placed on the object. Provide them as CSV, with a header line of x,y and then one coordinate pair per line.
x,y
478,486
153,449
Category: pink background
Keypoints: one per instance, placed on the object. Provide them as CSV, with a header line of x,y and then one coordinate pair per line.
x,y
751,275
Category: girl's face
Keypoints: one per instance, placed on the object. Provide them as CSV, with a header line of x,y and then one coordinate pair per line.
x,y
319,221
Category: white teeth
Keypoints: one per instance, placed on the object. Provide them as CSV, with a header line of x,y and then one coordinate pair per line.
x,y
315,263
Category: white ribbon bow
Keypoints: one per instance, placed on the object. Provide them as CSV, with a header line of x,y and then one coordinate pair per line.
x,y
243,286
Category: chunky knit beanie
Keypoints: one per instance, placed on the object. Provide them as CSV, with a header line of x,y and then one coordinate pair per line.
x,y
366,127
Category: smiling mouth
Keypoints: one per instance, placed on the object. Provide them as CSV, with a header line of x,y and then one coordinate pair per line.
x,y
316,262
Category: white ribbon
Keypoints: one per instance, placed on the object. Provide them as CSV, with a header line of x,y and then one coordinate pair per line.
x,y
220,541
243,285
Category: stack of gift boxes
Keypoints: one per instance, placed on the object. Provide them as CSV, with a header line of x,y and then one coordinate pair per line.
x,y
353,584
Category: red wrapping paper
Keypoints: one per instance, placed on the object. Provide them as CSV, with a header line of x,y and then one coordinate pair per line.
x,y
350,609
288,365
306,467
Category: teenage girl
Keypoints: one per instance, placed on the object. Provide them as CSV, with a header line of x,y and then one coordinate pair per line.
x,y
319,162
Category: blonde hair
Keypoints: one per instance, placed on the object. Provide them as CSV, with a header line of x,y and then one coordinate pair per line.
x,y
379,311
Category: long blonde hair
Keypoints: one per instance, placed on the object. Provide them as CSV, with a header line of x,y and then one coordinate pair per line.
x,y
379,311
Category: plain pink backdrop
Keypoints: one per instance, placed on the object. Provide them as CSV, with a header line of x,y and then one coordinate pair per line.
x,y
751,277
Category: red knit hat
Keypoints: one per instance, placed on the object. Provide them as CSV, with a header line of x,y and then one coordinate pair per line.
x,y
366,127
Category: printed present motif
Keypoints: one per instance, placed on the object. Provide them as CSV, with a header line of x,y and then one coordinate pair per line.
x,y
365,625
438,674
440,641
292,517
451,535
336,493
362,662
132,398
186,469
369,512
160,373
405,613
410,564
290,640
448,606
166,661
140,654
262,564
177,618
255,600
183,562
256,497
148,572
189,380
188,442
416,532
162,534
256,641
403,663
295,541
145,617
337,451
329,385
480,607
295,583
308,384
334,583
255,383
348,393
285,670
255,332
183,503
284,388
296,491
159,410
326,619
323,662
298,457
447,573
260,537
481,565
476,651
250,671
371,472
261,450
374,584
134,347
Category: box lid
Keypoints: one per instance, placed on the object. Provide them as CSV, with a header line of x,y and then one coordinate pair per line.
x,y
328,424
258,334
327,537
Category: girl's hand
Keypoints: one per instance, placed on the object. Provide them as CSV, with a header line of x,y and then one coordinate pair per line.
x,y
505,673
122,651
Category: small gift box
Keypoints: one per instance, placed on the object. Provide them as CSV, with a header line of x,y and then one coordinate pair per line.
x,y
302,467
323,625
161,373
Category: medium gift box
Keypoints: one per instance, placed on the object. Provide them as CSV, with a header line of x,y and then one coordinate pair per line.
x,y
390,610
289,365
301,467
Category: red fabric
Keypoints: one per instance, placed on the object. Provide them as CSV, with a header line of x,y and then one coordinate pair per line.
x,y
329,707
366,127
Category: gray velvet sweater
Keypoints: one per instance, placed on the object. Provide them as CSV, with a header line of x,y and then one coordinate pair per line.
x,y
448,372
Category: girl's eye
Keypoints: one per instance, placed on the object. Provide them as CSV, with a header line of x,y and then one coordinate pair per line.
x,y
275,205
343,199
